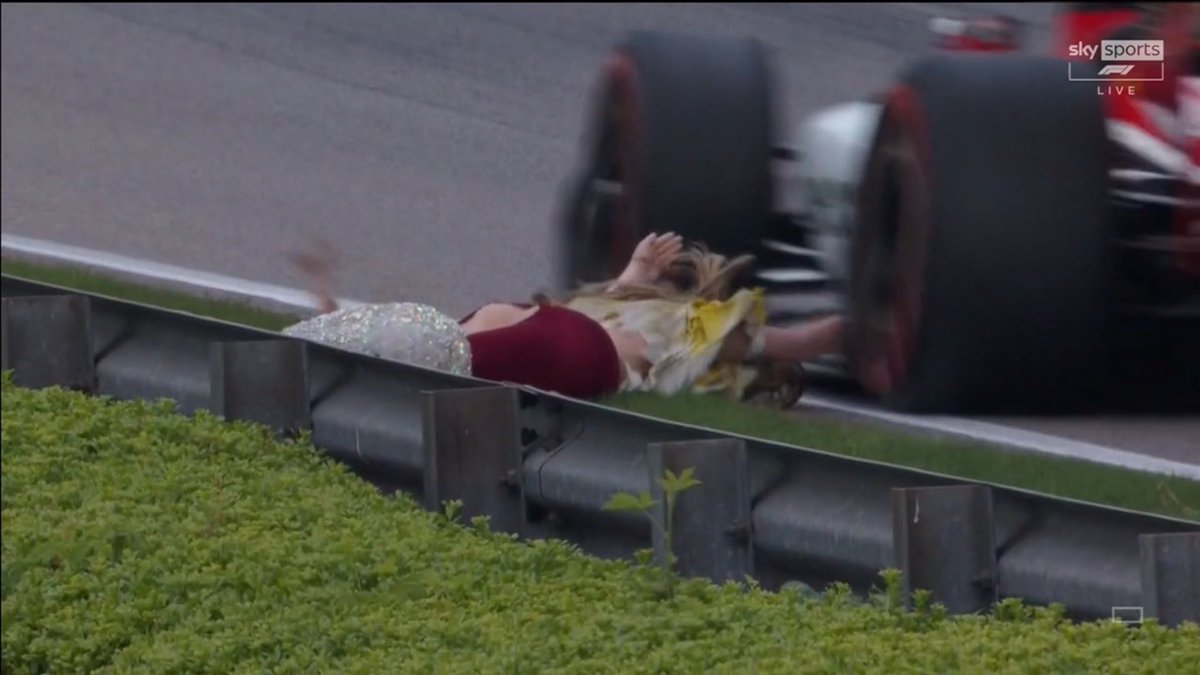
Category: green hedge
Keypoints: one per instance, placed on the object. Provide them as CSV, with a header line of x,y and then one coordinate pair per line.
x,y
135,539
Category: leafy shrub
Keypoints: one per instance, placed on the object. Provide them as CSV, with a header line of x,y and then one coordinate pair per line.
x,y
135,539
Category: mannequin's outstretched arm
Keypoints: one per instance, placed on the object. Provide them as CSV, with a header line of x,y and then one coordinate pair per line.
x,y
317,265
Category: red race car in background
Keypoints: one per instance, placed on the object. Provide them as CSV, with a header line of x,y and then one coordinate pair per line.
x,y
992,224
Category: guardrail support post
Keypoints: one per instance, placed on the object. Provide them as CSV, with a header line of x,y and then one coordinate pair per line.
x,y
473,454
1171,577
711,531
262,381
47,341
944,542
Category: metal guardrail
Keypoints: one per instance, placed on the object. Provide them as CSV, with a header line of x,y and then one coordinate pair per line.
x,y
540,465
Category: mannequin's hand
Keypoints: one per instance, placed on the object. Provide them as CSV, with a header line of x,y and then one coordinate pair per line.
x,y
318,263
651,258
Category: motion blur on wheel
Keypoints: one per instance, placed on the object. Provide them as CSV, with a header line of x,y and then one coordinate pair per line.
x,y
994,224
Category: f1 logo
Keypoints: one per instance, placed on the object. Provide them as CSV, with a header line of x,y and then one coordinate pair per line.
x,y
1114,69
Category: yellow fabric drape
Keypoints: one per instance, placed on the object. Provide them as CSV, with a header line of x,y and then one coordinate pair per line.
x,y
683,338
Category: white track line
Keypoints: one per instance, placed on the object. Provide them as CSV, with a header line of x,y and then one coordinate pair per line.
x,y
269,296
264,296
1012,437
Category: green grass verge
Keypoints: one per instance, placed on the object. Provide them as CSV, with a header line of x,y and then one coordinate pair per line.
x,y
1064,477
975,461
73,277
139,540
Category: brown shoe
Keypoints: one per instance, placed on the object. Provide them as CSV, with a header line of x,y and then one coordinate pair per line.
x,y
777,385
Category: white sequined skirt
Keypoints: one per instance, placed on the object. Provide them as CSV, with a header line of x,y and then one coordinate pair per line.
x,y
399,331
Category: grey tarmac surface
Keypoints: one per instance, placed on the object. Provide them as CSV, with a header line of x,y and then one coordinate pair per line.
x,y
428,143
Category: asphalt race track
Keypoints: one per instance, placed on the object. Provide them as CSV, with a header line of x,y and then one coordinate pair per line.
x,y
428,143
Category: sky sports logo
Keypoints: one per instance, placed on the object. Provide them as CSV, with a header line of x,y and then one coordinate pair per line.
x,y
1124,61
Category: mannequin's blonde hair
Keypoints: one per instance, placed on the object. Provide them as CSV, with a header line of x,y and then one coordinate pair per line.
x,y
696,273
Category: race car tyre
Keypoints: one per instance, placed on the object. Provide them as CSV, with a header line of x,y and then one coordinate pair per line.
x,y
983,258
681,141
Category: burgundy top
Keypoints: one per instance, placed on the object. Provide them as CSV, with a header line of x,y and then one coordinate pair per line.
x,y
556,349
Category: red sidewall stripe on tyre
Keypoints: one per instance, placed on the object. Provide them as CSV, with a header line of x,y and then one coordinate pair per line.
x,y
899,346
626,96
